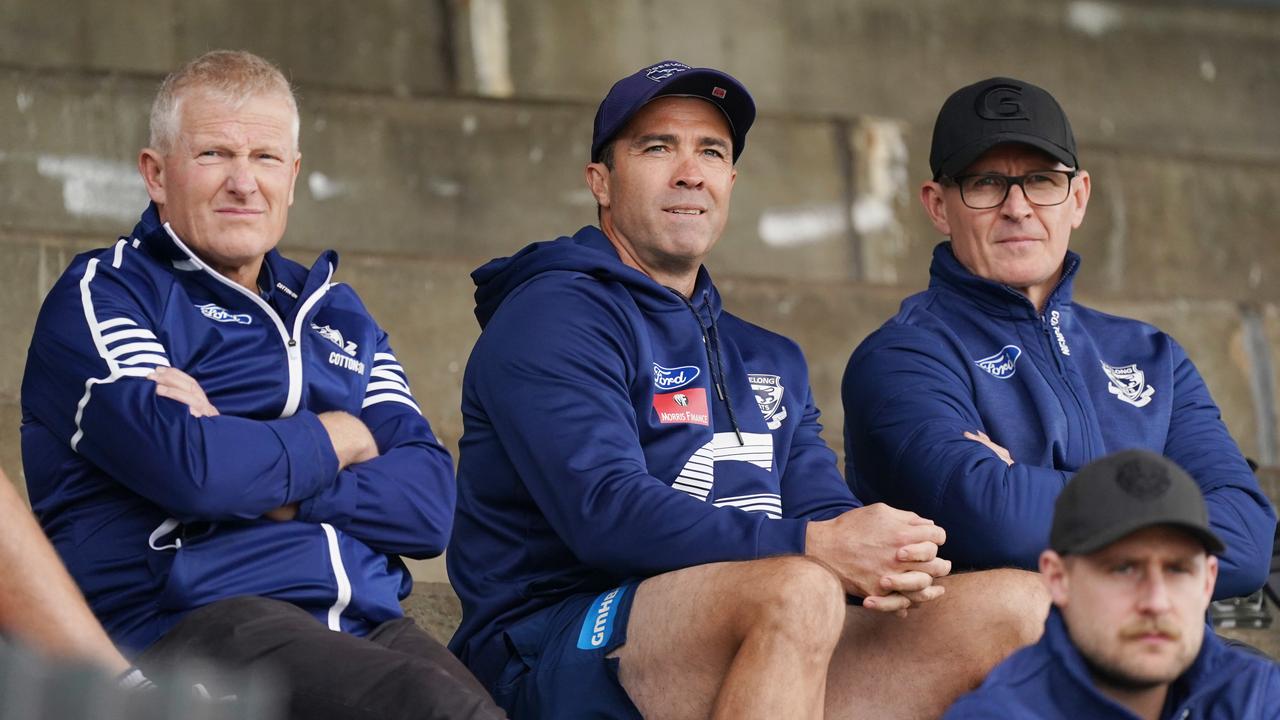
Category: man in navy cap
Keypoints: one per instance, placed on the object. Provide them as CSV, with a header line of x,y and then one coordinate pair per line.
x,y
1131,567
978,401
649,522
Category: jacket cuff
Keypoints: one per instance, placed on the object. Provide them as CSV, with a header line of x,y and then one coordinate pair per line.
x,y
781,537
313,464
333,505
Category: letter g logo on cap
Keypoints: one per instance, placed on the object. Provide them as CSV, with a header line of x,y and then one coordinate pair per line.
x,y
1001,102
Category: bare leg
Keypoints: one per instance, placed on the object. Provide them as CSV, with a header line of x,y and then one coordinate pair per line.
x,y
733,640
915,667
39,602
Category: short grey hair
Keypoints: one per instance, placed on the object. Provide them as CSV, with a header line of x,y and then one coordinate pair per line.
x,y
231,76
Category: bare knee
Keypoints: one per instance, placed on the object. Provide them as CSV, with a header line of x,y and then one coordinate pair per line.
x,y
795,598
1022,598
1007,606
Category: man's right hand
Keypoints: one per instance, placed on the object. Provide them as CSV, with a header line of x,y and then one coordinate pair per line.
x,y
887,556
980,437
174,384
352,441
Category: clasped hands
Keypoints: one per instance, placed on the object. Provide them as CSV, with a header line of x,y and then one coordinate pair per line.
x,y
886,556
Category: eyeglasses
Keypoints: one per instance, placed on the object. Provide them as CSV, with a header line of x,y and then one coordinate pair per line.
x,y
988,190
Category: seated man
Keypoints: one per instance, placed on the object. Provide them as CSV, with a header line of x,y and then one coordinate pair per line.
x,y
220,441
975,404
617,461
1131,568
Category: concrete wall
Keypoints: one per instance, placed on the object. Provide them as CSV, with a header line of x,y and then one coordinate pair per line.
x,y
438,134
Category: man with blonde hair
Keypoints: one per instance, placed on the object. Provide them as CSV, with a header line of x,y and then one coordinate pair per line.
x,y
221,443
1132,561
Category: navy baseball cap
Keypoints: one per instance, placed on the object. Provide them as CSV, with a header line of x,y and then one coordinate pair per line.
x,y
672,77
998,110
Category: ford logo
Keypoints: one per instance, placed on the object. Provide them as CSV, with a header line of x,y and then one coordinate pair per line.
x,y
1003,364
674,378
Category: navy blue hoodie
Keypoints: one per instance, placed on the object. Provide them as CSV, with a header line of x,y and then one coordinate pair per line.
x,y
1057,389
596,445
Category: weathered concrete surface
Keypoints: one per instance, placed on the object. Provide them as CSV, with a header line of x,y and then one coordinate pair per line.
x,y
389,46
435,607
72,35
1157,226
1151,75
1170,227
466,179
1155,75
435,178
10,449
441,178
68,150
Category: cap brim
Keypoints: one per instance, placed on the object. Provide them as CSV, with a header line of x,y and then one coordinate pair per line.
x,y
1211,541
965,157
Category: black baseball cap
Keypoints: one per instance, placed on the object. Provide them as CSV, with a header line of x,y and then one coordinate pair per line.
x,y
998,110
1122,493
672,77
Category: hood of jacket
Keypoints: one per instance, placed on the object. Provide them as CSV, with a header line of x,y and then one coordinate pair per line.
x,y
588,252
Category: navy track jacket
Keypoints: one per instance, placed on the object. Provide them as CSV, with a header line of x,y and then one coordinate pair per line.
x,y
1050,681
1058,390
156,512
596,446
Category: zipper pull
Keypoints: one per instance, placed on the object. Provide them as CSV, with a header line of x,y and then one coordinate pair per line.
x,y
719,391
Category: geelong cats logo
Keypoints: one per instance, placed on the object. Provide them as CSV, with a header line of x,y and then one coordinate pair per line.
x,y
768,391
1129,384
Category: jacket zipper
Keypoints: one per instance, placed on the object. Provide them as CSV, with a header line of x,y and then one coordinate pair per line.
x,y
293,351
1086,431
292,343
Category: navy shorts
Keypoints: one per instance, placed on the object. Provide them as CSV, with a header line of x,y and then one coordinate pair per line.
x,y
559,666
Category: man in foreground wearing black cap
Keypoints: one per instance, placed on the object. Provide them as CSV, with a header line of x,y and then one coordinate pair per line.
x,y
649,522
976,403
1131,568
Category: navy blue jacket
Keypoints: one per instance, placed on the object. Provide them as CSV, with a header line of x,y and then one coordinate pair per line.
x,y
596,447
1058,390
156,512
1050,681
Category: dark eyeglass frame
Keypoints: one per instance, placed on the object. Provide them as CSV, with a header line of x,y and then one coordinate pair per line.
x,y
1009,182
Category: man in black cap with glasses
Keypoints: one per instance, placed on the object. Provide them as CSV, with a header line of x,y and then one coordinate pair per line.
x,y
978,401
1131,567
